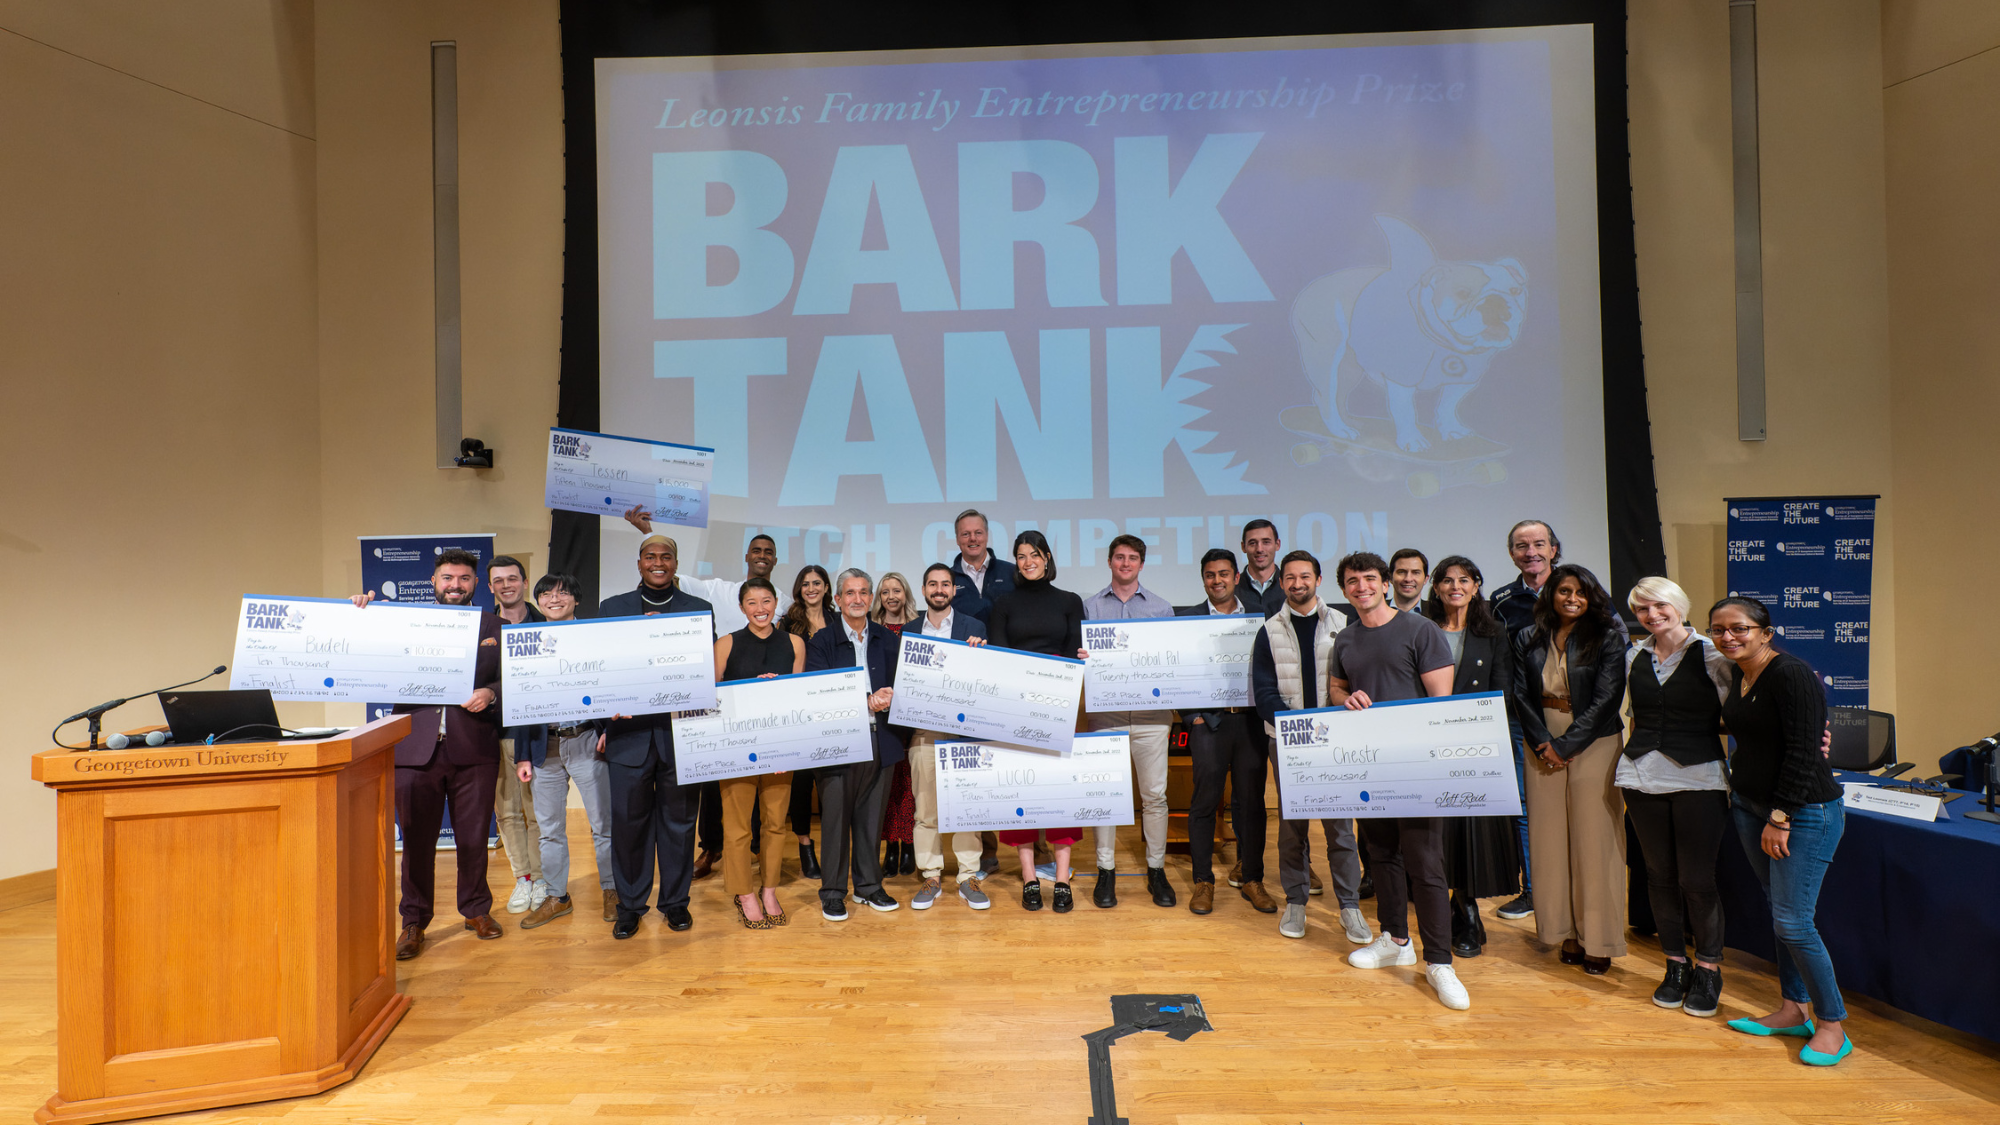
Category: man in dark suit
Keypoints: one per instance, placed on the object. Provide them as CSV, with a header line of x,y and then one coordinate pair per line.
x,y
1224,746
652,813
851,796
450,752
978,575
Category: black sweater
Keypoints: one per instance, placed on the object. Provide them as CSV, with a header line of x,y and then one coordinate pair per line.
x,y
1037,617
1777,763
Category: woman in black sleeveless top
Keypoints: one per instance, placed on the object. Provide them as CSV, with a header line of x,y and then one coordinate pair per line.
x,y
757,650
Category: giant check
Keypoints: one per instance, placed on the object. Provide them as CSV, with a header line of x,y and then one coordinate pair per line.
x,y
1447,756
986,788
987,693
326,650
795,722
606,475
1158,662
568,671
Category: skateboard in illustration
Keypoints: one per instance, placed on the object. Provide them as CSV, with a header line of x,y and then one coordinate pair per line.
x,y
1447,463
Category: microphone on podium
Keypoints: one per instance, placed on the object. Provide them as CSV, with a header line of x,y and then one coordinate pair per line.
x,y
95,714
150,738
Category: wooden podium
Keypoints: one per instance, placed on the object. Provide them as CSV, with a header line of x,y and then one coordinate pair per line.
x,y
225,921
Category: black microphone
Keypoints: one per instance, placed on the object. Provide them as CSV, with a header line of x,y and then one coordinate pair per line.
x,y
95,713
1898,769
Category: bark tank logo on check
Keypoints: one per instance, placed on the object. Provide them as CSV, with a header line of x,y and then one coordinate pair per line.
x,y
1100,638
569,445
925,656
273,616
1301,732
534,642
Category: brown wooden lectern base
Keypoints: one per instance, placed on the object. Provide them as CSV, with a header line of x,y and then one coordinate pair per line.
x,y
225,921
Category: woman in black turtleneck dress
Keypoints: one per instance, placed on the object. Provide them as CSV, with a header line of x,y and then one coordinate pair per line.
x,y
1036,617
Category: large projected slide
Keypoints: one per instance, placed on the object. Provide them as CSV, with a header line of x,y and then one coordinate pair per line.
x,y
1348,284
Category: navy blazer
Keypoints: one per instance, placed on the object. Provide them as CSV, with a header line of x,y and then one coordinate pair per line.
x,y
469,736
970,602
829,648
963,628
1202,610
659,727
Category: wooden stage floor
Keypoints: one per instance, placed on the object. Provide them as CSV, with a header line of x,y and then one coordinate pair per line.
x,y
955,1016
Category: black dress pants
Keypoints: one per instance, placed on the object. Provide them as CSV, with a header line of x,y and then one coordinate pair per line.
x,y
1680,836
420,801
709,823
1222,752
850,828
1406,859
652,822
802,802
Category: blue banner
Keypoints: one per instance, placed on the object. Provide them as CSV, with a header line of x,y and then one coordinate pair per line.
x,y
1810,560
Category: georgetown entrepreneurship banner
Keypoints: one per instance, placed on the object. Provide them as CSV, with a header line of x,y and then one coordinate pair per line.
x,y
1810,559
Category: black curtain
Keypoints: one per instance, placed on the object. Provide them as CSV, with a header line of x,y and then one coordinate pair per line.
x,y
594,29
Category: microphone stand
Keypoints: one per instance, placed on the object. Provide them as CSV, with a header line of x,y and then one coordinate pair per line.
x,y
96,714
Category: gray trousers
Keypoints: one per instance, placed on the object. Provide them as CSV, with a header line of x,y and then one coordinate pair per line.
x,y
575,759
1148,730
850,828
1295,851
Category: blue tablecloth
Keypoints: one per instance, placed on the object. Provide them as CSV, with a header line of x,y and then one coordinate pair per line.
x,y
1910,912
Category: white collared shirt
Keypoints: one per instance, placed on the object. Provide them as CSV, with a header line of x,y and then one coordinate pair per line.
x,y
859,640
940,630
975,571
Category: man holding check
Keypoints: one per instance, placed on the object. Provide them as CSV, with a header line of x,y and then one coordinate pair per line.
x,y
1222,747
851,796
1125,599
941,619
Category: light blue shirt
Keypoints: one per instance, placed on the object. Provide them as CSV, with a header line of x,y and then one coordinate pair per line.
x,y
1105,605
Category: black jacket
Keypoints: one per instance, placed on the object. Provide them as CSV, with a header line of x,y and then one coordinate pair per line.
x,y
1487,664
1596,690
632,751
830,648
967,600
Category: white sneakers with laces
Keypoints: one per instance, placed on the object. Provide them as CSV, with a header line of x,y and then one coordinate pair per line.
x,y
1382,953
1451,993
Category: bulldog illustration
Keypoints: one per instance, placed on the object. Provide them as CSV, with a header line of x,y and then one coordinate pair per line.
x,y
1416,325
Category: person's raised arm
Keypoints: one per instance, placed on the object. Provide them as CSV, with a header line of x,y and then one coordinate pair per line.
x,y
638,517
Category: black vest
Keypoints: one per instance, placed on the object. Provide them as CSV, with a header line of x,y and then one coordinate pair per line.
x,y
1682,718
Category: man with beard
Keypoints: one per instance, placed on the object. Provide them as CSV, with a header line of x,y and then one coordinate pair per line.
x,y
941,619
450,752
652,813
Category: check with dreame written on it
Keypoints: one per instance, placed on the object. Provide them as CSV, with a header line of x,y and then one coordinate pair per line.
x,y
569,671
1158,662
326,650
986,692
607,475
795,722
986,788
1446,756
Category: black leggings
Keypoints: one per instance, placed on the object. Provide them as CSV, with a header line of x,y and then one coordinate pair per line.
x,y
1680,835
802,803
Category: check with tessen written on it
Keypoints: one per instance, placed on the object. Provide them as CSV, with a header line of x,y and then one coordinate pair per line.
x,y
607,475
1159,662
1447,756
801,721
987,788
326,650
986,692
568,671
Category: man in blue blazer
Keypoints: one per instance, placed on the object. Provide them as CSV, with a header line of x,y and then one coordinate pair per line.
x,y
652,813
941,619
978,575
851,796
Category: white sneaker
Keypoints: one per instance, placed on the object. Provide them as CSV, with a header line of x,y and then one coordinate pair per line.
x,y
542,893
523,898
1382,953
1450,992
1355,925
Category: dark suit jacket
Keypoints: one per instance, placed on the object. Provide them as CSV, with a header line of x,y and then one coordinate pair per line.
x,y
469,737
1487,664
970,602
1514,604
622,747
963,628
830,648
1596,690
1203,609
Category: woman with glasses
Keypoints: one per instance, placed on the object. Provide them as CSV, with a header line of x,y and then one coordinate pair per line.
x,y
1677,788
894,608
759,650
1568,691
812,608
1787,811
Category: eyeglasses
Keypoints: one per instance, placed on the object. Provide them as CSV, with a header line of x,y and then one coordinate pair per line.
x,y
1737,631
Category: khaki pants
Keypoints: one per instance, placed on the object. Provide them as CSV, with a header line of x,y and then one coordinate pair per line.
x,y
923,786
511,803
773,791
1576,842
1148,730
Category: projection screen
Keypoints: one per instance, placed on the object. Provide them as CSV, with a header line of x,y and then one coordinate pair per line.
x,y
1345,283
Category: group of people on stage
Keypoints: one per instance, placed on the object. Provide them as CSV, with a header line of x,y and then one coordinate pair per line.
x,y
1602,727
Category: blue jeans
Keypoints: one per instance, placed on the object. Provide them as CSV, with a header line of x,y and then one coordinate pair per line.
x,y
1805,972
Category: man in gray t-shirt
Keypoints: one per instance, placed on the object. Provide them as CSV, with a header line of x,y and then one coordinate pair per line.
x,y
1386,656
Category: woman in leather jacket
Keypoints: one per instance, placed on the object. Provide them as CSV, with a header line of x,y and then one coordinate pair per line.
x,y
1569,687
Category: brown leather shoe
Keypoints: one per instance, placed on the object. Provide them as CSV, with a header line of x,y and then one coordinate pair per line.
x,y
704,864
409,943
611,906
1259,898
551,909
1203,899
484,927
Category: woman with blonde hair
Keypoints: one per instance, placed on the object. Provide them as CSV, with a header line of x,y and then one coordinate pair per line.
x,y
894,608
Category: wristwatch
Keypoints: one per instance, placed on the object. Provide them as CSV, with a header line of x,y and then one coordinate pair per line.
x,y
1779,819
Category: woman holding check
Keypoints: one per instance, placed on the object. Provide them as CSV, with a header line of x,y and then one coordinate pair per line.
x,y
759,650
1787,809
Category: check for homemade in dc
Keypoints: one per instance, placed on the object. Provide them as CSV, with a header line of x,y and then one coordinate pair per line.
x,y
801,721
606,475
326,650
987,788
1160,662
1446,756
986,692
567,671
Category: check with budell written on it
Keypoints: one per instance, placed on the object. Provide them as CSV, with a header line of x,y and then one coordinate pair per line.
x,y
328,651
1445,756
986,788
569,671
801,721
1159,662
607,475
986,692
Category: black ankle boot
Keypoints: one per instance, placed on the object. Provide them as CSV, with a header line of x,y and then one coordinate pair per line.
x,y
909,859
1465,936
808,861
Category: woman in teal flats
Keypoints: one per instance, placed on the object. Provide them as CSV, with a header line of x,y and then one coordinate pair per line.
x,y
1787,810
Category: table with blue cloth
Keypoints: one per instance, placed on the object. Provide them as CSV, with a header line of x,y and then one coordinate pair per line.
x,y
1910,912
